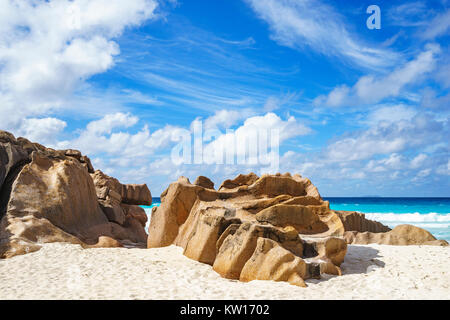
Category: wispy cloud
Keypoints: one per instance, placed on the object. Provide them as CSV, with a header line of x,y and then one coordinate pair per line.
x,y
308,24
409,14
438,26
371,89
193,71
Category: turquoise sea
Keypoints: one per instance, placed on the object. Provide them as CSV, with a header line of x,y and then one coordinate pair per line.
x,y
432,214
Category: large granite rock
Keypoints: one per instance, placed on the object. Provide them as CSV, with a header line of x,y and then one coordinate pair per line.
x,y
12,156
401,235
274,227
133,194
49,195
356,221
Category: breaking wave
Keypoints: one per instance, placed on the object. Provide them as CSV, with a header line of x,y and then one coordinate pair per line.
x,y
409,217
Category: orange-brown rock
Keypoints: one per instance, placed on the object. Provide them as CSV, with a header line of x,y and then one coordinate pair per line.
x,y
105,242
237,248
204,182
401,235
331,249
48,195
240,180
356,221
135,212
137,194
115,198
303,218
21,235
110,188
60,191
11,156
223,228
270,261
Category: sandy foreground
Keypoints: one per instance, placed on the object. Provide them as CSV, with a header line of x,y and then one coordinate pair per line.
x,y
64,271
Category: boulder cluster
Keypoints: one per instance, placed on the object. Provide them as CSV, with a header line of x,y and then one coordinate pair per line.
x,y
274,227
49,195
359,230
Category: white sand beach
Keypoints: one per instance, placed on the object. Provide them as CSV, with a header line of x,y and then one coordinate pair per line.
x,y
65,271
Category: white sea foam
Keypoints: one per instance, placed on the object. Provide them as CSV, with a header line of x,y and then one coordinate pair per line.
x,y
433,225
409,217
148,211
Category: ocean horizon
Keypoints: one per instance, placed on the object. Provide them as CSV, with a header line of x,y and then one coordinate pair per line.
x,y
432,214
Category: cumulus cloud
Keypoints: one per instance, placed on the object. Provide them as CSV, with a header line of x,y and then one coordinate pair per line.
x,y
258,133
226,118
444,169
418,161
389,113
48,48
43,130
313,24
116,142
387,155
394,161
386,138
112,136
110,122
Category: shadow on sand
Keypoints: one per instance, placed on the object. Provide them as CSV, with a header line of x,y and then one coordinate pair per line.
x,y
361,259
358,260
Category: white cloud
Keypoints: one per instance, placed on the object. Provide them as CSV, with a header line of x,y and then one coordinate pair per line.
x,y
387,138
410,14
226,118
256,132
439,26
307,23
418,161
115,139
136,151
422,174
444,169
442,74
370,89
110,122
44,130
394,161
104,136
387,113
48,48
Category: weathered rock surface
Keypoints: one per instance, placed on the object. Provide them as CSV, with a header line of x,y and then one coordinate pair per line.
x,y
51,195
134,212
204,182
356,221
274,227
359,230
401,235
270,261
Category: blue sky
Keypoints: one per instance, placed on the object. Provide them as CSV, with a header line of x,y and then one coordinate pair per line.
x,y
360,111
